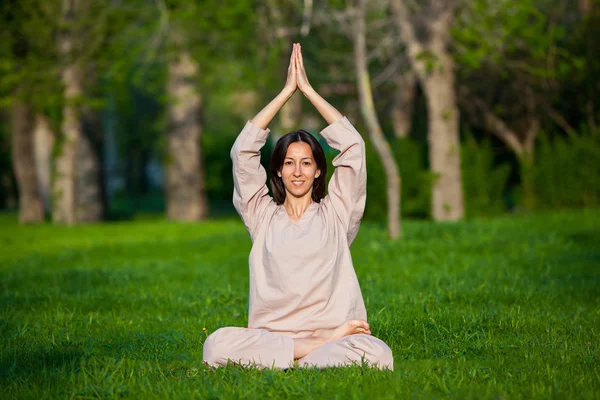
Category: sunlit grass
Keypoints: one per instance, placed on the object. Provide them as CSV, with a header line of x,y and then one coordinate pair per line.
x,y
503,308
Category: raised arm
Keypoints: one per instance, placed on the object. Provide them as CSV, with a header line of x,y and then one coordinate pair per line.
x,y
266,115
347,190
250,194
348,185
326,110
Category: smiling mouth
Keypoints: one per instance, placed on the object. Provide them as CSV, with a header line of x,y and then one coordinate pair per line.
x,y
297,183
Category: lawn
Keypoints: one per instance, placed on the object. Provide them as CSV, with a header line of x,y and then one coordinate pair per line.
x,y
487,309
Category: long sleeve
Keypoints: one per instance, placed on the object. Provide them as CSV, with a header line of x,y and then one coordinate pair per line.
x,y
250,195
348,185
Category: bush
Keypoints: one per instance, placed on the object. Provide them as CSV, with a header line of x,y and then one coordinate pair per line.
x,y
566,171
415,180
484,183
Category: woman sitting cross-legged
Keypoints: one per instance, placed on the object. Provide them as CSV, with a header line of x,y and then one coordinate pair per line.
x,y
305,301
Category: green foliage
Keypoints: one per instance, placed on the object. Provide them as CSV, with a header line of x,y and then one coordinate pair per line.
x,y
138,112
125,206
566,171
416,178
217,140
415,181
510,34
484,182
501,308
376,207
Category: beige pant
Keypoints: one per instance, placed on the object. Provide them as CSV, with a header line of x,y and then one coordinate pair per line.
x,y
272,350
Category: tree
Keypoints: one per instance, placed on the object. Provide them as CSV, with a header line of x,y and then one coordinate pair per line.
x,y
60,40
352,25
511,63
186,197
43,137
64,190
16,54
30,202
182,37
369,113
401,112
90,199
432,62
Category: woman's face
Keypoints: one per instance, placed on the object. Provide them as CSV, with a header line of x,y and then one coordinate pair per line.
x,y
299,170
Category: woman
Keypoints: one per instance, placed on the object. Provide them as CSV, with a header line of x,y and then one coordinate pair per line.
x,y
305,300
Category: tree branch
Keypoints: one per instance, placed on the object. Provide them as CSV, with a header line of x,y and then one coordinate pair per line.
x,y
407,31
560,120
306,17
389,71
493,123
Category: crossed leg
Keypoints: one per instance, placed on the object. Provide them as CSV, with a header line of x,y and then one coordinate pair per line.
x,y
347,344
350,350
248,347
303,346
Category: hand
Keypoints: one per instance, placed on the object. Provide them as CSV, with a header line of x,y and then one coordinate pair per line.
x,y
303,83
292,76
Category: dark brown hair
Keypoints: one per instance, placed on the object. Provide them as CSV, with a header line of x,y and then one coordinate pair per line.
x,y
278,157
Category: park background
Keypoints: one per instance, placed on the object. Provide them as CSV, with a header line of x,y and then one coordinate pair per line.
x,y
120,249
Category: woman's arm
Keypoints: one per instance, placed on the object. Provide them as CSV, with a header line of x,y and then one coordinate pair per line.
x,y
266,115
328,111
250,193
347,187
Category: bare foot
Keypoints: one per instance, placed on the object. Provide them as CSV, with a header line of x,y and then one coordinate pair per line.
x,y
350,327
303,346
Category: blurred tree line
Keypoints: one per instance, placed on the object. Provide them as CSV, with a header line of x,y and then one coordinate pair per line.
x,y
468,107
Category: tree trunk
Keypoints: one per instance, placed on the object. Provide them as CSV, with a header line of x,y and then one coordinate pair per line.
x,y
444,144
402,108
370,115
31,208
90,205
434,68
585,7
64,210
186,197
527,180
44,144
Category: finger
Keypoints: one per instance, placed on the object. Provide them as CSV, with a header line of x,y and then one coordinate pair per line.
x,y
300,56
298,60
295,62
295,54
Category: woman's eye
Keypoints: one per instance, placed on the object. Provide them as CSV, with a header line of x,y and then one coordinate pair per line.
x,y
288,163
307,163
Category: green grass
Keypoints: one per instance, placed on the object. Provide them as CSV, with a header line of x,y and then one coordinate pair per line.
x,y
486,309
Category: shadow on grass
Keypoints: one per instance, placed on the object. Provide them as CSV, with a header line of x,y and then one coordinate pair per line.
x,y
41,363
589,239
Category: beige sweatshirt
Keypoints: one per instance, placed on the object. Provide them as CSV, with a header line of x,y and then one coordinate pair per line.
x,y
301,275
